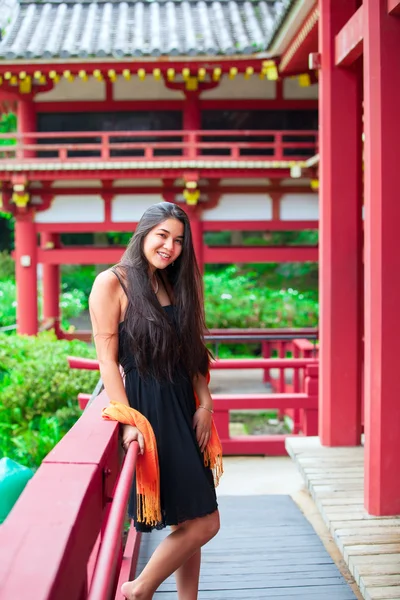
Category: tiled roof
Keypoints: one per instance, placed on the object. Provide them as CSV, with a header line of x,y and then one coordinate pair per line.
x,y
87,29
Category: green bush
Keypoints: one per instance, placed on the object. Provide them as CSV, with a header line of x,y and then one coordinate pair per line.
x,y
38,393
72,304
75,277
7,267
233,300
8,303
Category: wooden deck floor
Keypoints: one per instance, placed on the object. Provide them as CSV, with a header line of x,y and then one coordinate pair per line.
x,y
266,549
370,545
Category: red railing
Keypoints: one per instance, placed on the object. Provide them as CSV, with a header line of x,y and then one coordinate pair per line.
x,y
303,402
63,538
143,146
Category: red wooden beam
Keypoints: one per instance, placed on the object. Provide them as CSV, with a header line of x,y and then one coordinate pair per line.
x,y
205,104
157,189
263,445
223,402
394,7
230,254
88,255
221,172
259,225
349,40
130,226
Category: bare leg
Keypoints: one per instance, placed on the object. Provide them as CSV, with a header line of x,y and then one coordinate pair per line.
x,y
187,576
171,554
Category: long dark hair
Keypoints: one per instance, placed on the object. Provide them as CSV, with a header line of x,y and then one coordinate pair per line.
x,y
157,344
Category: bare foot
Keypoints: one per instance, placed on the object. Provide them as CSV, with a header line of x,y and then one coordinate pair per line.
x,y
132,590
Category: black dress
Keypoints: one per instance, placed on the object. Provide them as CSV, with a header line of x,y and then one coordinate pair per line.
x,y
186,485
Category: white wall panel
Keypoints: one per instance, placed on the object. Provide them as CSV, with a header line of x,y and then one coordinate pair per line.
x,y
77,183
73,209
241,207
137,183
241,88
149,89
78,90
131,208
299,207
293,91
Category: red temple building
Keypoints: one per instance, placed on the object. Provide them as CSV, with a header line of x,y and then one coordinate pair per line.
x,y
216,105
257,116
121,105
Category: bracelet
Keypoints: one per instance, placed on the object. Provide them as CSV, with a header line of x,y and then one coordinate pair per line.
x,y
210,410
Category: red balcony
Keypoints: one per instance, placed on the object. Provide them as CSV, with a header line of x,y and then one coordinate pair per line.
x,y
226,147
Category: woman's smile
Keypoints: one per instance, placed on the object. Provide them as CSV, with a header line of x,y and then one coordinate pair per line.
x,y
163,244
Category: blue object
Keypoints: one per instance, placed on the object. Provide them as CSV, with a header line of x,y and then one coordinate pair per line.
x,y
13,479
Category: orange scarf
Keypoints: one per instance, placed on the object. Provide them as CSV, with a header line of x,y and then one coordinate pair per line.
x,y
147,468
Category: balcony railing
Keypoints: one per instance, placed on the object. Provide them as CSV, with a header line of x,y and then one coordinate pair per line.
x,y
143,146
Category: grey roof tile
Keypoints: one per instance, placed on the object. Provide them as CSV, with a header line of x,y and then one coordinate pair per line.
x,y
63,29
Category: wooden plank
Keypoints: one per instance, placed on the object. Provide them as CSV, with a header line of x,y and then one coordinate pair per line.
x,y
370,545
383,593
371,550
265,549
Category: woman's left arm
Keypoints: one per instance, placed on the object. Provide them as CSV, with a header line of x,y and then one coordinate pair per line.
x,y
202,419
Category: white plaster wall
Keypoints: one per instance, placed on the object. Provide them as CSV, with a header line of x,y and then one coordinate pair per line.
x,y
149,89
241,207
131,208
293,91
74,90
299,207
77,183
241,88
73,209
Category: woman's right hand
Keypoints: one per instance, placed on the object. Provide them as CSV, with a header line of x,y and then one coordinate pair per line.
x,y
132,434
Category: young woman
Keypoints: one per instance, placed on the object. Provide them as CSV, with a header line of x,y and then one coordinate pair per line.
x,y
147,316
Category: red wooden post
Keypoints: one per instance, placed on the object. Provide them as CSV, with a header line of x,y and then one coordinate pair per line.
x,y
51,283
105,146
278,154
26,124
266,353
196,227
26,274
221,420
296,388
340,236
191,121
310,418
382,258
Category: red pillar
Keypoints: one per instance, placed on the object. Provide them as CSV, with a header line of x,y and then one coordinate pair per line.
x,y
340,237
196,226
191,121
26,274
26,123
382,258
51,283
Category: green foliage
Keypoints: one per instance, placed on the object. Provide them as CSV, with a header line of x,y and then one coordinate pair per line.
x,y
38,393
72,304
6,231
75,277
8,303
238,300
8,124
7,267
